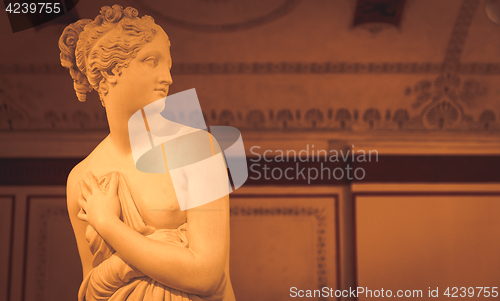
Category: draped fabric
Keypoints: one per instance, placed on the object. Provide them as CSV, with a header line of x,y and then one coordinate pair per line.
x,y
113,279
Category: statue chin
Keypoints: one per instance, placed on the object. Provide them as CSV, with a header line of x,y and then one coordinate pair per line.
x,y
156,107
159,126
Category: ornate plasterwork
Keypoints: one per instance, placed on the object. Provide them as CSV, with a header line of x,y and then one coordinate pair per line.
x,y
445,98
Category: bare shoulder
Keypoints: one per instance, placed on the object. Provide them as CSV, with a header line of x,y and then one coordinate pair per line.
x,y
79,171
72,184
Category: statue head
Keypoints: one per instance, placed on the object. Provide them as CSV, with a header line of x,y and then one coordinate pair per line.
x,y
96,51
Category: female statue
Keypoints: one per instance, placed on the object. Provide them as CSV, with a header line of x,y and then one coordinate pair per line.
x,y
134,241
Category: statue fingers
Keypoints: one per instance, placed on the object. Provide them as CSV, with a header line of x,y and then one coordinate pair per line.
x,y
82,215
92,181
113,183
82,203
85,192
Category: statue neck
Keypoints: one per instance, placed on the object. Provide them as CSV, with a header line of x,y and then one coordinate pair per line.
x,y
119,120
118,131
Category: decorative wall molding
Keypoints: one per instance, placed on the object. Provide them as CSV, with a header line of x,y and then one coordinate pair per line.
x,y
266,68
460,31
34,69
256,68
440,114
437,115
52,269
17,103
442,104
316,213
45,214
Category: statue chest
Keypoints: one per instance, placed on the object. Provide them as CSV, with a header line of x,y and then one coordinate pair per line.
x,y
155,198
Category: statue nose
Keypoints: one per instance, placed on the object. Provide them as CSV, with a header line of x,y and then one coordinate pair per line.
x,y
166,77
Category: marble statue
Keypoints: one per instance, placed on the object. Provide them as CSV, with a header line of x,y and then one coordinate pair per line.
x,y
134,241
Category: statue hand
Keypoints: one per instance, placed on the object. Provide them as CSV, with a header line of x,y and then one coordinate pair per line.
x,y
99,206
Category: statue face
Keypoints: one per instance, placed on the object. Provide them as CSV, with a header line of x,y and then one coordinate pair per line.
x,y
146,79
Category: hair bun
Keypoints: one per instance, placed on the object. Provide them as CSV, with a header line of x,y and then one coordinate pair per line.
x,y
68,41
67,46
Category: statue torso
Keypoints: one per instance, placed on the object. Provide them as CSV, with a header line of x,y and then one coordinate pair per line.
x,y
153,194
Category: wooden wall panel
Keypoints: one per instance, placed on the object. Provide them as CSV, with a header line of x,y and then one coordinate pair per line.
x,y
416,240
52,265
284,240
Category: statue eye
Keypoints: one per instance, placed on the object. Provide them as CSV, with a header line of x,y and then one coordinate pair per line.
x,y
151,60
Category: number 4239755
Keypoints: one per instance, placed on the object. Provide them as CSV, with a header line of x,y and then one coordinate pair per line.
x,y
33,8
478,291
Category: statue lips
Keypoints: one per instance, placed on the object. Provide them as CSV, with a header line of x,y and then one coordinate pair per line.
x,y
162,90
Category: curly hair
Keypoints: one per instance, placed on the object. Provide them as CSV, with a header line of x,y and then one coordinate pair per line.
x,y
92,50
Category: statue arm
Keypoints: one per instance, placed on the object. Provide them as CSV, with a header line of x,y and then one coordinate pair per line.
x,y
197,269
